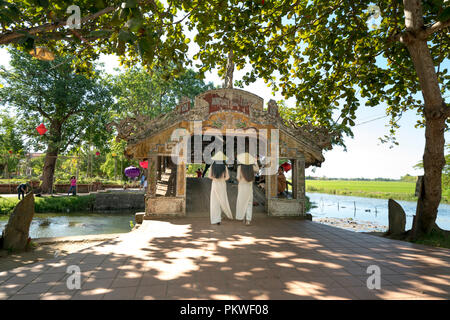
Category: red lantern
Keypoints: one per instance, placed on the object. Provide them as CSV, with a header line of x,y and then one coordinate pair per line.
x,y
286,166
144,164
97,153
10,151
41,129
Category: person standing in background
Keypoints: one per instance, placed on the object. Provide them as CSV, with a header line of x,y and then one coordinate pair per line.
x,y
73,186
281,182
23,189
142,180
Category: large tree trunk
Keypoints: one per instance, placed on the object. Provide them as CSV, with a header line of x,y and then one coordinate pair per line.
x,y
50,158
49,169
435,117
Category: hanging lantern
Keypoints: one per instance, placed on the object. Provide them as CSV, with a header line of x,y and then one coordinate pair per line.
x,y
41,129
286,166
42,53
132,172
97,153
10,151
144,164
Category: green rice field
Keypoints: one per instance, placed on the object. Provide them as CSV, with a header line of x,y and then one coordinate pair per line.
x,y
398,190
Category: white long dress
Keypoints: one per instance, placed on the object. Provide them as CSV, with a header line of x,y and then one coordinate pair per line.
x,y
244,203
219,198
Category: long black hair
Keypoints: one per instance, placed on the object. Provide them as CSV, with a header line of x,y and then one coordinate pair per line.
x,y
218,170
247,172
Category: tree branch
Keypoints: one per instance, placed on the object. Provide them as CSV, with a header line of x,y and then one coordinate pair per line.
x,y
408,35
12,36
438,26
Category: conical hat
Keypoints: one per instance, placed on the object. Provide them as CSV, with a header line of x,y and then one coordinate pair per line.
x,y
246,158
219,156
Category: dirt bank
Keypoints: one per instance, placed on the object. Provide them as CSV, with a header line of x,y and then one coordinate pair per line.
x,y
350,224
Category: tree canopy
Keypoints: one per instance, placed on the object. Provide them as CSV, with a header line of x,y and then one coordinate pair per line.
x,y
74,108
139,92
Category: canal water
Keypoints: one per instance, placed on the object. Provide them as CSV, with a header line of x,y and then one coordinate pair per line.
x,y
371,210
359,209
77,224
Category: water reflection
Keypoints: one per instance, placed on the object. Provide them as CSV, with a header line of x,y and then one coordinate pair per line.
x,y
76,224
368,209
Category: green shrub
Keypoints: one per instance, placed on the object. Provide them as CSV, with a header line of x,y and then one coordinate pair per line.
x,y
308,204
435,239
52,204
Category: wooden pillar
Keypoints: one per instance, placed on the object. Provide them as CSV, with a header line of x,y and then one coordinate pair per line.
x,y
301,182
164,164
151,175
159,167
295,177
181,179
181,184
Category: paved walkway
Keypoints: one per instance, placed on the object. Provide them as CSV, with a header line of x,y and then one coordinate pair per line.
x,y
272,259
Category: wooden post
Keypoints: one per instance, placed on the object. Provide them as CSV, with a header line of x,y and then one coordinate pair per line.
x,y
181,179
300,164
151,174
159,167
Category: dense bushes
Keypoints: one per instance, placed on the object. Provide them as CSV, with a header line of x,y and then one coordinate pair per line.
x,y
51,204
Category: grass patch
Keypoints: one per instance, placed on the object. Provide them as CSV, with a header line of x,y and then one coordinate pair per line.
x,y
51,204
435,239
397,190
308,204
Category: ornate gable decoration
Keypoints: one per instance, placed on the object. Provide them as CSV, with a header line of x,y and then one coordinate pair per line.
x,y
273,109
184,106
218,103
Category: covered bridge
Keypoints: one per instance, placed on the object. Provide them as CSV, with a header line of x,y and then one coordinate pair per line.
x,y
170,192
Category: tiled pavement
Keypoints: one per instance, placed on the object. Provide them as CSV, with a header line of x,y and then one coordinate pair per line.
x,y
272,259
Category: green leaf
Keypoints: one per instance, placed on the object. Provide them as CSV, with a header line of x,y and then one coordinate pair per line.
x,y
131,4
120,47
124,36
100,4
28,44
445,15
43,3
100,33
115,20
135,24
